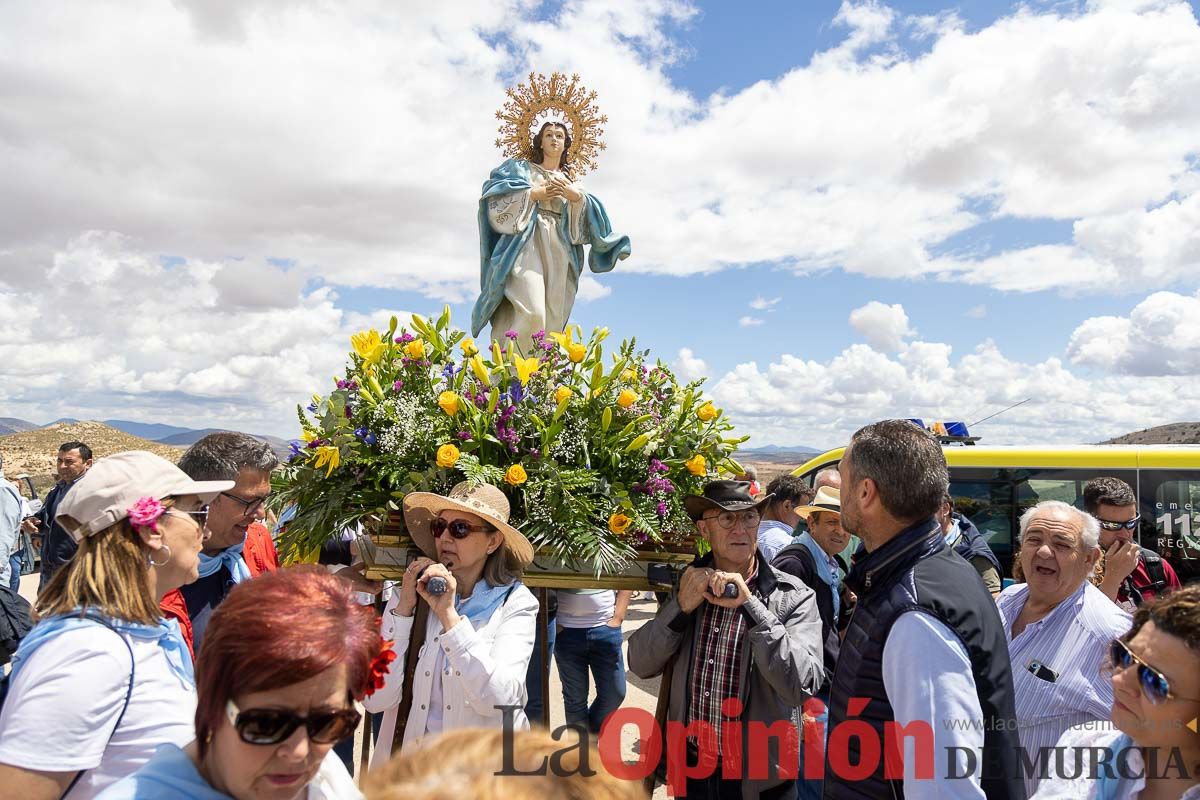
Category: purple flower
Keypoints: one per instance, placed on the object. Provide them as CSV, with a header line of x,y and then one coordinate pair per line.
x,y
315,443
369,440
516,393
510,334
404,338
341,384
662,509
360,432
352,386
294,448
464,436
657,467
312,408
535,453
349,411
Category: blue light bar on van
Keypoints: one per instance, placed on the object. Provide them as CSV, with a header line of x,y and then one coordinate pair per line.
x,y
920,423
952,429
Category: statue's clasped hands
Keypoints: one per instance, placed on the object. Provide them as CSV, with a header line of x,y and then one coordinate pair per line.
x,y
558,186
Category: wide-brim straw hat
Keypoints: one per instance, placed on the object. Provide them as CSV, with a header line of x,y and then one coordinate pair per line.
x,y
483,500
827,499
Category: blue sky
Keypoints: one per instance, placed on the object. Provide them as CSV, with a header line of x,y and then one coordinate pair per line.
x,y
989,204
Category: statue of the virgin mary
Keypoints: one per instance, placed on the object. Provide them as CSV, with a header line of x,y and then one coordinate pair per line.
x,y
534,215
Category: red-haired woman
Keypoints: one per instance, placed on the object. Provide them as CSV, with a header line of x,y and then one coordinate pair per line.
x,y
272,705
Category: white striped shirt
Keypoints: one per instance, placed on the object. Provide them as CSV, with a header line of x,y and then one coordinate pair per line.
x,y
1072,641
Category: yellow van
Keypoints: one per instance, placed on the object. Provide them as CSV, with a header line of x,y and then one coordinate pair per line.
x,y
993,486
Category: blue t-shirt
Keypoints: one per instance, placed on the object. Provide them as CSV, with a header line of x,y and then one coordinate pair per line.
x,y
202,598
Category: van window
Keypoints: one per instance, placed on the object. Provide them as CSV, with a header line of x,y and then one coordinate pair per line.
x,y
1170,506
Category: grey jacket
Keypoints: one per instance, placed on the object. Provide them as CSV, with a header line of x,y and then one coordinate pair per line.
x,y
782,662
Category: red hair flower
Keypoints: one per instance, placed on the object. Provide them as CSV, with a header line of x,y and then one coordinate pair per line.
x,y
145,513
380,668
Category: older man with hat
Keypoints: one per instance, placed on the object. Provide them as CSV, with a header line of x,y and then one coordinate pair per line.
x,y
740,642
814,559
462,621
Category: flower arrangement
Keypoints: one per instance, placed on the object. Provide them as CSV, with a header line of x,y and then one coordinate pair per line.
x,y
595,453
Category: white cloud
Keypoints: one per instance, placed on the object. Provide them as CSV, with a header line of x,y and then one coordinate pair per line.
x,y
689,367
884,327
112,332
309,132
1161,336
763,304
591,289
794,399
976,312
749,322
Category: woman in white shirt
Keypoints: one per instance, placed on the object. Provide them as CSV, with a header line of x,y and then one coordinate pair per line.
x,y
1153,747
102,679
478,634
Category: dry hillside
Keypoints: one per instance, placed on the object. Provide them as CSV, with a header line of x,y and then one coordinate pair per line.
x,y
34,451
1175,433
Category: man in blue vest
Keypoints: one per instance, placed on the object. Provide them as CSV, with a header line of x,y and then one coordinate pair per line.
x,y
966,540
923,662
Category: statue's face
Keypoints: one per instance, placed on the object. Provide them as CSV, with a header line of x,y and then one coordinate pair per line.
x,y
553,139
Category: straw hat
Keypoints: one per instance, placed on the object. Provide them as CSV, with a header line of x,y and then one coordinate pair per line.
x,y
827,499
484,501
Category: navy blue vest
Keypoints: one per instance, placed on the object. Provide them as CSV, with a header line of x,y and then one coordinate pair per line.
x,y
916,570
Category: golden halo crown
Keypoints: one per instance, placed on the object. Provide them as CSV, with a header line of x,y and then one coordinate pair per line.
x,y
556,99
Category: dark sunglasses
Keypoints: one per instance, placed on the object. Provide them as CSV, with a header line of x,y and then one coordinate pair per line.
x,y
1154,684
1131,525
265,726
248,506
459,528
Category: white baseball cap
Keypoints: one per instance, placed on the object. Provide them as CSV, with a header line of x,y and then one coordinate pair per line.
x,y
106,492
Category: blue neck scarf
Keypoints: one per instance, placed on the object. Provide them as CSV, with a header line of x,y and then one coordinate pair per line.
x,y
166,634
231,559
825,571
1107,790
483,602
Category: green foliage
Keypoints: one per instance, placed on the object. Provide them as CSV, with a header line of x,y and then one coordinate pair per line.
x,y
601,438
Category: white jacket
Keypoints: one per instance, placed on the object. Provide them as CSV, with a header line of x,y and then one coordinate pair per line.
x,y
487,669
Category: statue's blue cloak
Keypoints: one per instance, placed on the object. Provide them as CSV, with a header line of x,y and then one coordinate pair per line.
x,y
498,252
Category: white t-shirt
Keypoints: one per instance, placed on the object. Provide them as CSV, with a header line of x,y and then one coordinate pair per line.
x,y
65,700
585,608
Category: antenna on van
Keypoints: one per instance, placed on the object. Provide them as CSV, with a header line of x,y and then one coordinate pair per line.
x,y
1001,411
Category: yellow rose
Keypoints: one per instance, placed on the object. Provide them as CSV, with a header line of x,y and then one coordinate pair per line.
x,y
468,347
515,475
562,393
576,352
447,455
706,412
696,465
626,398
415,349
448,402
618,523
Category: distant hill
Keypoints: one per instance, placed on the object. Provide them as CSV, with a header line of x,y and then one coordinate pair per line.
x,y
13,425
774,448
154,431
1175,433
34,451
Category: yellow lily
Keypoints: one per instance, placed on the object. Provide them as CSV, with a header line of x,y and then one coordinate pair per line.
x,y
368,345
525,368
328,456
481,372
468,347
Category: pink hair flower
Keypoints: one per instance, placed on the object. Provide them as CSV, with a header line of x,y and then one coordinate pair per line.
x,y
145,513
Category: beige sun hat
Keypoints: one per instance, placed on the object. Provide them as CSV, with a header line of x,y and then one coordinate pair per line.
x,y
827,499
106,492
484,501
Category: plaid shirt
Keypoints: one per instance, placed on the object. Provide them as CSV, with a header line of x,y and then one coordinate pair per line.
x,y
716,662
